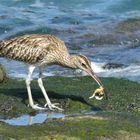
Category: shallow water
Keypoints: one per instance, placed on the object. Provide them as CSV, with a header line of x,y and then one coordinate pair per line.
x,y
81,24
38,118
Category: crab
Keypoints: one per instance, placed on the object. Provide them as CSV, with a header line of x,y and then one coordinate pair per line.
x,y
98,93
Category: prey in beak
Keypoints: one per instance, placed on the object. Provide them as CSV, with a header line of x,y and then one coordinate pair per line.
x,y
99,92
83,63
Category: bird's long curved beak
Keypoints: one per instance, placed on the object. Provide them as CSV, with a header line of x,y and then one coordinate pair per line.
x,y
93,75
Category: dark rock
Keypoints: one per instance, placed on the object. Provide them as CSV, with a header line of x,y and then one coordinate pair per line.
x,y
105,39
112,66
8,106
91,39
129,25
132,107
67,20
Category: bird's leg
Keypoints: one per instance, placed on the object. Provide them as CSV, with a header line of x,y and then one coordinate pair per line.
x,y
28,82
49,104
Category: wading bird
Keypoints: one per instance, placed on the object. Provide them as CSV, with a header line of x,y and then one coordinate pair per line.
x,y
39,51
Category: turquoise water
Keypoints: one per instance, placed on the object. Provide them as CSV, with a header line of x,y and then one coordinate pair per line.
x,y
74,21
21,15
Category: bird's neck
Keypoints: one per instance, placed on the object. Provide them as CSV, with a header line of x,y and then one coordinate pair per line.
x,y
69,61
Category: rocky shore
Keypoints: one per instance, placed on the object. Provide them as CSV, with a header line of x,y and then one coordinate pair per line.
x,y
115,118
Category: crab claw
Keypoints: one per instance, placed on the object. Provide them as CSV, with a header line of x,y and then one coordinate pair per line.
x,y
98,97
98,94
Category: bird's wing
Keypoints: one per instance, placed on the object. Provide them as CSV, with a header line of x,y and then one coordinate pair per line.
x,y
31,48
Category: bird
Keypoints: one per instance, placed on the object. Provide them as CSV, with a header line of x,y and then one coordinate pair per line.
x,y
40,51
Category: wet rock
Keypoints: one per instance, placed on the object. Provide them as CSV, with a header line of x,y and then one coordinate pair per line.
x,y
100,39
74,46
67,20
129,25
133,107
4,17
7,106
90,39
73,94
105,39
112,66
89,35
3,76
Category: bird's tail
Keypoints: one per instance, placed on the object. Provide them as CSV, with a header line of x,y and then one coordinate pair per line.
x,y
1,47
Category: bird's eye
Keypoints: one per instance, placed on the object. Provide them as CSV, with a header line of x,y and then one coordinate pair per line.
x,y
83,65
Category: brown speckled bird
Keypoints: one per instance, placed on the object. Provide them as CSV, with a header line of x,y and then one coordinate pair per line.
x,y
41,51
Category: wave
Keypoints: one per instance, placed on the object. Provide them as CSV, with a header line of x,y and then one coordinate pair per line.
x,y
19,70
131,72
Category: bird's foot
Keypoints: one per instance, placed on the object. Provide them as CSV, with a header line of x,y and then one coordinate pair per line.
x,y
37,107
53,107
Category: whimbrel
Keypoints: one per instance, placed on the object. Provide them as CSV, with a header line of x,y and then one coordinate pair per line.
x,y
39,51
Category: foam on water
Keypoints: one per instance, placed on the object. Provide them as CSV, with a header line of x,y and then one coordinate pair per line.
x,y
97,67
19,70
131,72
38,4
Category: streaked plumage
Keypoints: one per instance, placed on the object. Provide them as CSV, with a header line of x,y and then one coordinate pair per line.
x,y
40,51
31,49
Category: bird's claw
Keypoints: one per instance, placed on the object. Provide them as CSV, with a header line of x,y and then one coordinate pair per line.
x,y
50,106
50,103
98,94
53,107
37,107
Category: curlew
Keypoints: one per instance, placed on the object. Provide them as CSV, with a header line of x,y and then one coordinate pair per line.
x,y
39,51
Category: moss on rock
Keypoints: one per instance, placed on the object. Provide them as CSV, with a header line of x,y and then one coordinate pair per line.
x,y
129,25
117,118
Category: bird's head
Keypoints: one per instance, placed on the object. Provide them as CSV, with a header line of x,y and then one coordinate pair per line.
x,y
83,63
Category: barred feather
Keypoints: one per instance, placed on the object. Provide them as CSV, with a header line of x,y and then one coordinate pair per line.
x,y
40,50
30,48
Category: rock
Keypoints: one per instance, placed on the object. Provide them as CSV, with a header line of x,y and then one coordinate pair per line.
x,y
113,121
129,25
105,39
3,76
112,66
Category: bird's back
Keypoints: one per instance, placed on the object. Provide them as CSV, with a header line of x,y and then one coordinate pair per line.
x,y
31,48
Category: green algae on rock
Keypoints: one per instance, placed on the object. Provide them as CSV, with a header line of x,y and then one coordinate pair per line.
x,y
118,117
129,25
78,129
72,94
